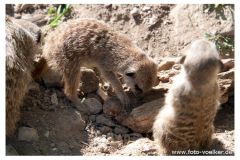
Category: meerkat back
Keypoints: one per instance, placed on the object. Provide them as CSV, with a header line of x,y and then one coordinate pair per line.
x,y
186,120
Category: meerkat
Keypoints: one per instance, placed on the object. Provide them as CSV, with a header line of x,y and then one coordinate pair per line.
x,y
186,120
22,43
91,43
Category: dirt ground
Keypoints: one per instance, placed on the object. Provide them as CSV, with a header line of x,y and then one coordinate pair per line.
x,y
157,29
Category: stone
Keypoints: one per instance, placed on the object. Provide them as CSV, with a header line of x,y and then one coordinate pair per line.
x,y
34,86
152,21
11,151
93,105
112,107
163,76
141,118
101,119
70,123
120,130
102,94
146,8
228,64
27,134
89,81
167,64
39,19
22,7
226,85
135,11
54,99
10,9
92,118
141,147
105,129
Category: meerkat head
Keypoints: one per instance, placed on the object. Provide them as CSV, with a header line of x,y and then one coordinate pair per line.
x,y
30,28
141,75
201,62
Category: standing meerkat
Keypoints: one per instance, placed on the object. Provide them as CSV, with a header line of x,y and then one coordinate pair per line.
x,y
91,43
22,39
186,120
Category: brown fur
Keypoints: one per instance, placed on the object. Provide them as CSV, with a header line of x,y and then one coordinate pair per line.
x,y
186,120
21,45
91,43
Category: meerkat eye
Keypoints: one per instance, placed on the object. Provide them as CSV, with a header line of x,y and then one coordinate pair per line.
x,y
130,74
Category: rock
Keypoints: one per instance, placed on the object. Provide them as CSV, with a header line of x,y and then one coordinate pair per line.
x,y
70,123
39,19
54,99
141,118
10,9
116,144
101,119
118,137
228,64
46,134
108,6
135,12
27,134
120,130
163,76
22,7
102,94
92,118
226,84
146,8
105,129
11,151
89,81
112,107
153,21
34,86
93,105
167,64
141,147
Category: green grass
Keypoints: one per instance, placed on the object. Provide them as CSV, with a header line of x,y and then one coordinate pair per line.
x,y
57,14
214,7
224,44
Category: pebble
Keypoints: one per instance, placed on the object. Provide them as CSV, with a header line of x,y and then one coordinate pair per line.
x,y
93,105
120,130
134,12
92,118
105,129
27,134
101,119
146,8
54,99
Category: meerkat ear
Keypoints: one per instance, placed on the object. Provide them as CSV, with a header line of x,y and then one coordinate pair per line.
x,y
182,59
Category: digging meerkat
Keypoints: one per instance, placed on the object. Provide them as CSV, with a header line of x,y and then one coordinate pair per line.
x,y
91,43
22,43
186,120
